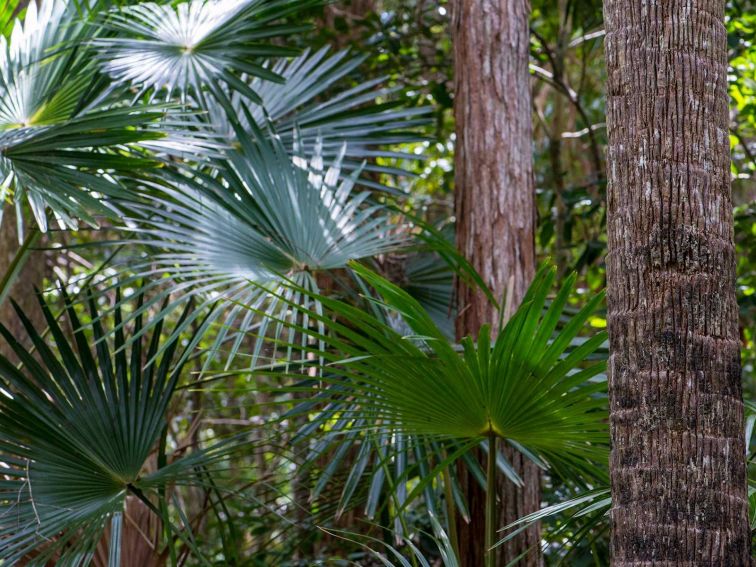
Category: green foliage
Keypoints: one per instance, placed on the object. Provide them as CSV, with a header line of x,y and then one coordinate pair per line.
x,y
362,121
231,239
243,200
536,387
76,431
741,28
745,240
58,129
196,45
524,386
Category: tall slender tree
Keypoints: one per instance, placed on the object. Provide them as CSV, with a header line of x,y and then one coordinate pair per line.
x,y
495,214
678,460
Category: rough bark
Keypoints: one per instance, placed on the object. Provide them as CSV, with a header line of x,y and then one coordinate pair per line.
x,y
495,213
678,453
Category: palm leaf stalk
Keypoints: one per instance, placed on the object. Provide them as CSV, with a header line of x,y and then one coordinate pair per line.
x,y
529,387
491,511
76,431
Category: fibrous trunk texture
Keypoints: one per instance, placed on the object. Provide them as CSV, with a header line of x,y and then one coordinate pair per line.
x,y
678,453
495,215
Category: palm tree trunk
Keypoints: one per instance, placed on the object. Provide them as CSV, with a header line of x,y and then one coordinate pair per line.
x,y
678,459
495,212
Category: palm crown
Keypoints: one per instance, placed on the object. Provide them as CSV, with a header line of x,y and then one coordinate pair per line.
x,y
194,45
58,128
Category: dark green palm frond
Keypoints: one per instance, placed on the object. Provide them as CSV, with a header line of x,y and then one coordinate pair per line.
x,y
76,430
190,46
390,556
524,386
430,280
535,386
378,468
585,515
529,386
234,237
750,439
317,105
61,167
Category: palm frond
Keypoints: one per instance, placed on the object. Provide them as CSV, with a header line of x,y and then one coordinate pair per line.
x,y
195,45
592,508
411,554
317,105
528,386
62,142
76,430
235,237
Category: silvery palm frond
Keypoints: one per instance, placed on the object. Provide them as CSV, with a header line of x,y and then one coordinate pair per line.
x,y
58,125
308,109
28,67
193,45
263,220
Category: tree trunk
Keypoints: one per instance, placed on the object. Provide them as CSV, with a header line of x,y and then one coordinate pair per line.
x,y
678,467
495,215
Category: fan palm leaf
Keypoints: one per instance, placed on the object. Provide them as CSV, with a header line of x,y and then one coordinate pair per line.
x,y
236,236
528,385
534,385
76,430
191,46
62,141
308,110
